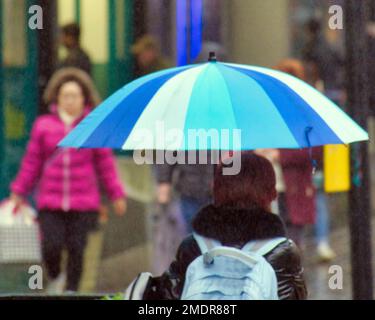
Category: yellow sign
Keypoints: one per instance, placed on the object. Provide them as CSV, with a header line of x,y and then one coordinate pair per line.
x,y
336,168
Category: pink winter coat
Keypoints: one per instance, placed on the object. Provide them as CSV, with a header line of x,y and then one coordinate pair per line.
x,y
65,178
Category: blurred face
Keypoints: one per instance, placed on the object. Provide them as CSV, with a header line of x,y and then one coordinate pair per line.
x,y
146,57
71,99
68,41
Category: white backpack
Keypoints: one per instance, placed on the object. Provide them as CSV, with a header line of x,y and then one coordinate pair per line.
x,y
227,273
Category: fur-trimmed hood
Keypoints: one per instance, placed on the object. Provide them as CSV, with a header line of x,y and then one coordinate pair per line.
x,y
69,73
233,226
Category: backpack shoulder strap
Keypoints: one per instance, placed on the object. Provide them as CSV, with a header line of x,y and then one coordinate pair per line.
x,y
205,244
137,288
263,247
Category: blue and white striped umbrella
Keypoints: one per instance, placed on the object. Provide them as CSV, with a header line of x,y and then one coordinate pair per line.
x,y
271,109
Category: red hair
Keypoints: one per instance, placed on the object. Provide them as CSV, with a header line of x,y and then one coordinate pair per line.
x,y
254,186
292,66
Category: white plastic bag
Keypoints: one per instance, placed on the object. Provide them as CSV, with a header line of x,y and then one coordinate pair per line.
x,y
10,216
19,233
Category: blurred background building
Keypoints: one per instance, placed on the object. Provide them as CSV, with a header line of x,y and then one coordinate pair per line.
x,y
260,32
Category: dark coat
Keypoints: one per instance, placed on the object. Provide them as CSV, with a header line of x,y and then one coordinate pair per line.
x,y
77,58
190,180
234,227
299,189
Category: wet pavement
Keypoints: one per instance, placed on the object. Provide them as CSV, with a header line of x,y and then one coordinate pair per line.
x,y
317,274
113,273
113,279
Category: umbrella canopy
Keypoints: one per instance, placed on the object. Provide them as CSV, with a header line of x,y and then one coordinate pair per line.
x,y
268,108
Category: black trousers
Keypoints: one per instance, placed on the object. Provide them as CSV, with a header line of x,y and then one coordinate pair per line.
x,y
65,230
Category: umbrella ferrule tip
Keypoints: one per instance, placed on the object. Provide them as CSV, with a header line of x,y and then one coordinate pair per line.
x,y
212,57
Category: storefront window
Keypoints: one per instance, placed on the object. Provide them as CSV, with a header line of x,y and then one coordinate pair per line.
x,y
14,35
19,86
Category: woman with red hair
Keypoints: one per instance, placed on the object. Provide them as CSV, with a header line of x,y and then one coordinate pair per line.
x,y
304,203
240,214
297,202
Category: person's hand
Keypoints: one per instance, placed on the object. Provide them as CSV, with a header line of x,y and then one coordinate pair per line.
x,y
103,214
163,193
17,199
120,206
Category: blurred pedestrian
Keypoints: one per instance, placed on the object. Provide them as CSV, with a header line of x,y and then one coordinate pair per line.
x,y
182,190
66,180
322,226
168,227
148,56
76,56
191,184
240,213
324,251
297,204
328,60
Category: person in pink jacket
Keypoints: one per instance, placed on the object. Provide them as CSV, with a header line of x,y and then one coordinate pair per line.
x,y
64,181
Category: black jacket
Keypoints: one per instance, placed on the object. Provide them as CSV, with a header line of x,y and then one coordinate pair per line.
x,y
190,180
77,58
234,227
